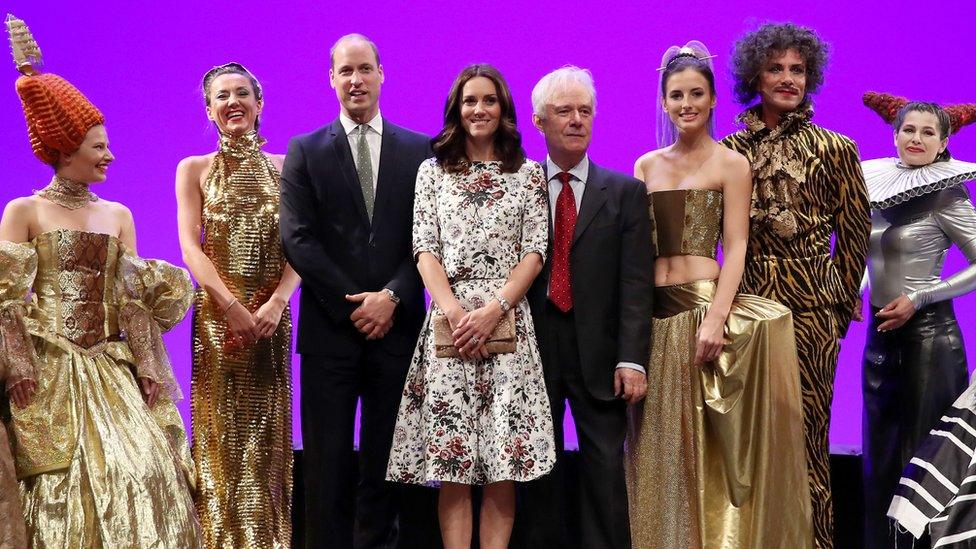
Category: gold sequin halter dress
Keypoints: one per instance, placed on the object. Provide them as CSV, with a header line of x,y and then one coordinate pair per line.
x,y
241,398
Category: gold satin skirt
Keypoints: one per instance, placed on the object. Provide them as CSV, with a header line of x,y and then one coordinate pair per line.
x,y
715,455
12,534
127,482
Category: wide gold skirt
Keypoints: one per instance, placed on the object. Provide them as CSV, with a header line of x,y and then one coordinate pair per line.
x,y
126,480
12,534
715,454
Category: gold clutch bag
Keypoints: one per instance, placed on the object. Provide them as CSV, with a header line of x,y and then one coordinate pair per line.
x,y
501,340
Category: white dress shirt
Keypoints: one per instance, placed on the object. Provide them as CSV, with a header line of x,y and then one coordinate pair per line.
x,y
374,138
577,182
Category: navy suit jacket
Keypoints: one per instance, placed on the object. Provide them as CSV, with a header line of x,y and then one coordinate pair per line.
x,y
612,280
329,240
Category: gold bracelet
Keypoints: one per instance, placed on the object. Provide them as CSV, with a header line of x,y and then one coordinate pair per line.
x,y
229,305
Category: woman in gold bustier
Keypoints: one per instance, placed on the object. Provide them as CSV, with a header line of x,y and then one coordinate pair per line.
x,y
241,395
808,190
715,452
99,448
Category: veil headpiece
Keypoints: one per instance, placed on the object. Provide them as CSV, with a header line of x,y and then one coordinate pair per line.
x,y
667,133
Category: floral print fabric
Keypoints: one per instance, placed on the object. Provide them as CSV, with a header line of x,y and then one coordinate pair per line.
x,y
485,421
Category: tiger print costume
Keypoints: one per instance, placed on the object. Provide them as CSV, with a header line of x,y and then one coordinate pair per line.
x,y
807,186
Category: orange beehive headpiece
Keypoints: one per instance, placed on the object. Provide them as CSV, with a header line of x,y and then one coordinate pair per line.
x,y
58,115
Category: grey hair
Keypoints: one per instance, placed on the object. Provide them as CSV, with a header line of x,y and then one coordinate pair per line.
x,y
558,80
353,36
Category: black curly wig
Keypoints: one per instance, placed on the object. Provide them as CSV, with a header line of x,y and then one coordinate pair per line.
x,y
771,39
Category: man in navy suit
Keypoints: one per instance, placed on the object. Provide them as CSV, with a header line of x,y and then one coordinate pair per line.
x,y
591,306
346,220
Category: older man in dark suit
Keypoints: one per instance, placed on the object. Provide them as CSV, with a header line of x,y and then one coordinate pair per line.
x,y
591,306
346,222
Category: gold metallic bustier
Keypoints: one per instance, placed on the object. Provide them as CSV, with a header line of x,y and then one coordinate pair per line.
x,y
686,222
75,286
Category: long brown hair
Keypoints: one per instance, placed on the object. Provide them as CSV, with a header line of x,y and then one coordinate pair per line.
x,y
449,143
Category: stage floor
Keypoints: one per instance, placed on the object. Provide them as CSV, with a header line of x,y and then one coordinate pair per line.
x,y
845,473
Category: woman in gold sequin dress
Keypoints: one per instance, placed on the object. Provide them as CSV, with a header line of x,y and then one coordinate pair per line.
x,y
715,454
241,396
99,448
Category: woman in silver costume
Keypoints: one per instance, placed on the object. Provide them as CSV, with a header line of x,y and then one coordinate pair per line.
x,y
914,361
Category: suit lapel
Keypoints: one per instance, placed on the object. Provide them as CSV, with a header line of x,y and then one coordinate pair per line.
x,y
385,179
544,275
594,197
343,154
545,172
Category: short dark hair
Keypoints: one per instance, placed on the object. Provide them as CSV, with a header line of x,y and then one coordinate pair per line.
x,y
449,143
353,36
753,50
232,68
931,108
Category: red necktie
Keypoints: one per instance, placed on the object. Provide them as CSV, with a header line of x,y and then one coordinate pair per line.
x,y
560,290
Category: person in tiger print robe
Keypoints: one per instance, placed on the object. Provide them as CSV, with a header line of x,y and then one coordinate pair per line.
x,y
807,188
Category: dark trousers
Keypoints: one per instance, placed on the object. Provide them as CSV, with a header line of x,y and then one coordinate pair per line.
x,y
911,375
601,427
376,513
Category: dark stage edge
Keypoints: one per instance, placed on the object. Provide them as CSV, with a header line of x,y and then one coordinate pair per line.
x,y
845,474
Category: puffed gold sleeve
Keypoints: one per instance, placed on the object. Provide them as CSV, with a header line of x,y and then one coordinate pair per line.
x,y
18,267
154,297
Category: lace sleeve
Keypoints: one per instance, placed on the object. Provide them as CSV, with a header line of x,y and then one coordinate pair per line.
x,y
155,296
18,265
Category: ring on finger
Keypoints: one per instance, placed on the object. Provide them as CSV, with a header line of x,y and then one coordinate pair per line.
x,y
475,340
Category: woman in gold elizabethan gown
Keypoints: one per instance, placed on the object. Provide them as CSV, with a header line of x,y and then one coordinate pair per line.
x,y
715,453
99,449
241,396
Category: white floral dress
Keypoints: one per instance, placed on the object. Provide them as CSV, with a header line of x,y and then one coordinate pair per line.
x,y
484,421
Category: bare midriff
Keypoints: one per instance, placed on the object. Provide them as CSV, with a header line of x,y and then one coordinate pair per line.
x,y
680,269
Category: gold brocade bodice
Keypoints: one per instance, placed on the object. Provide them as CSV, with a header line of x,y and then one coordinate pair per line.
x,y
75,287
686,222
240,219
86,290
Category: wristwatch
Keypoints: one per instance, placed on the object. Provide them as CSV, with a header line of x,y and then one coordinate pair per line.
x,y
503,303
393,297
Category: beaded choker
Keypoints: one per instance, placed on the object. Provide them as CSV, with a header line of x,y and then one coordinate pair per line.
x,y
67,193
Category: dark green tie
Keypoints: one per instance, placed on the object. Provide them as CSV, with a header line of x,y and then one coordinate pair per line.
x,y
364,168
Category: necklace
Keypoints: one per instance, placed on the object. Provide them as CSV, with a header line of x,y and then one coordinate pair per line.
x,y
67,193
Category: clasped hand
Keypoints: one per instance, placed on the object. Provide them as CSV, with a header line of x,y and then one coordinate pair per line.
x,y
374,315
473,329
245,327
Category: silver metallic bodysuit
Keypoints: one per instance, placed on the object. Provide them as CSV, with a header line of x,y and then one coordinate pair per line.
x,y
909,243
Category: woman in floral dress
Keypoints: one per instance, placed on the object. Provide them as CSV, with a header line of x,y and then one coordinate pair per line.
x,y
480,234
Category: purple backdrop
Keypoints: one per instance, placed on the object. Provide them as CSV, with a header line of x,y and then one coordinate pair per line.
x,y
142,66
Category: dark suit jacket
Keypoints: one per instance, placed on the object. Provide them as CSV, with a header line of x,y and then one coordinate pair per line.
x,y
611,273
328,239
